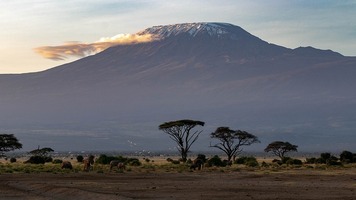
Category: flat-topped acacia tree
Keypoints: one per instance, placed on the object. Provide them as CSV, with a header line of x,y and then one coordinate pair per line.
x,y
231,141
8,142
180,132
280,148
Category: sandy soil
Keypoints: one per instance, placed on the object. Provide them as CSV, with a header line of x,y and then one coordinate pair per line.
x,y
289,184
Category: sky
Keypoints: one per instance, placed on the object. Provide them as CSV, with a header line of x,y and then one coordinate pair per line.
x,y
29,27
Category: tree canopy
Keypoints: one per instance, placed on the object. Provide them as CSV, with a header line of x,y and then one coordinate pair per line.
x,y
41,152
280,148
180,132
231,141
8,142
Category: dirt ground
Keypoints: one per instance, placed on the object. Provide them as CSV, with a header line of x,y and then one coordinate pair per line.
x,y
289,184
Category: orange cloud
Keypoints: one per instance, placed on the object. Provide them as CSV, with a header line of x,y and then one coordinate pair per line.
x,y
77,49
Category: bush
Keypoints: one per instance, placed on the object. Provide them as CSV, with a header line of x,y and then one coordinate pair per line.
x,y
216,161
287,159
36,160
48,159
80,158
292,161
347,157
176,162
325,156
105,160
264,164
248,161
311,160
240,160
201,157
133,162
333,162
169,159
12,160
57,161
251,162
277,161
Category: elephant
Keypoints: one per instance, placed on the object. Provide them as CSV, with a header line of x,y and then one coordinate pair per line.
x,y
118,164
66,165
197,163
88,163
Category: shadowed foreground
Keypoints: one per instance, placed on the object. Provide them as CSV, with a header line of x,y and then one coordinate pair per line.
x,y
292,184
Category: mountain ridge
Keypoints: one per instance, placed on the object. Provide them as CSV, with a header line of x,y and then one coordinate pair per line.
x,y
272,91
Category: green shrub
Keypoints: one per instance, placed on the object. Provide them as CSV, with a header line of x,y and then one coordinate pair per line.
x,y
264,164
251,163
80,158
292,161
201,157
104,159
347,157
216,161
13,160
248,161
240,160
176,162
277,161
169,159
133,162
48,159
332,162
57,161
36,160
325,156
311,160
287,159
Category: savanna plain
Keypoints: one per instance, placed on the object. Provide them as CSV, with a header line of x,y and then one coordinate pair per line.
x,y
157,178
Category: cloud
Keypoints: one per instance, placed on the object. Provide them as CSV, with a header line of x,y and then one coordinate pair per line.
x,y
78,49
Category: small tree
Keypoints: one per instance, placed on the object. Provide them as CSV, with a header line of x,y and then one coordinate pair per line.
x,y
231,141
41,152
279,148
347,157
180,132
80,158
8,142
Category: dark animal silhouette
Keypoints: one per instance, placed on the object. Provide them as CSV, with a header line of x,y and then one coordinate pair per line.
x,y
118,164
88,163
197,163
66,165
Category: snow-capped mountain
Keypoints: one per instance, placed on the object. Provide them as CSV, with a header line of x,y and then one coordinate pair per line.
x,y
193,29
214,72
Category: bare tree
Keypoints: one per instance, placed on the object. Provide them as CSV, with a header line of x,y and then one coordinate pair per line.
x,y
231,141
180,132
280,148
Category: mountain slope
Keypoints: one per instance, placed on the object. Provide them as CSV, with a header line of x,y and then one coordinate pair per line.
x,y
215,72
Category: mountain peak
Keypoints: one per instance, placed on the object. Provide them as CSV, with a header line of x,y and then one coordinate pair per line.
x,y
193,29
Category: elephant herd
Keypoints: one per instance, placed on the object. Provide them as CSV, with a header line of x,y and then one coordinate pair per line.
x,y
89,164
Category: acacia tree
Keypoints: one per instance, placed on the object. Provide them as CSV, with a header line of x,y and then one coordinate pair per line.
x,y
8,142
41,152
280,148
231,141
180,132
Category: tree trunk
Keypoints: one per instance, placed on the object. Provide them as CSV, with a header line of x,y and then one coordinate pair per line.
x,y
184,155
